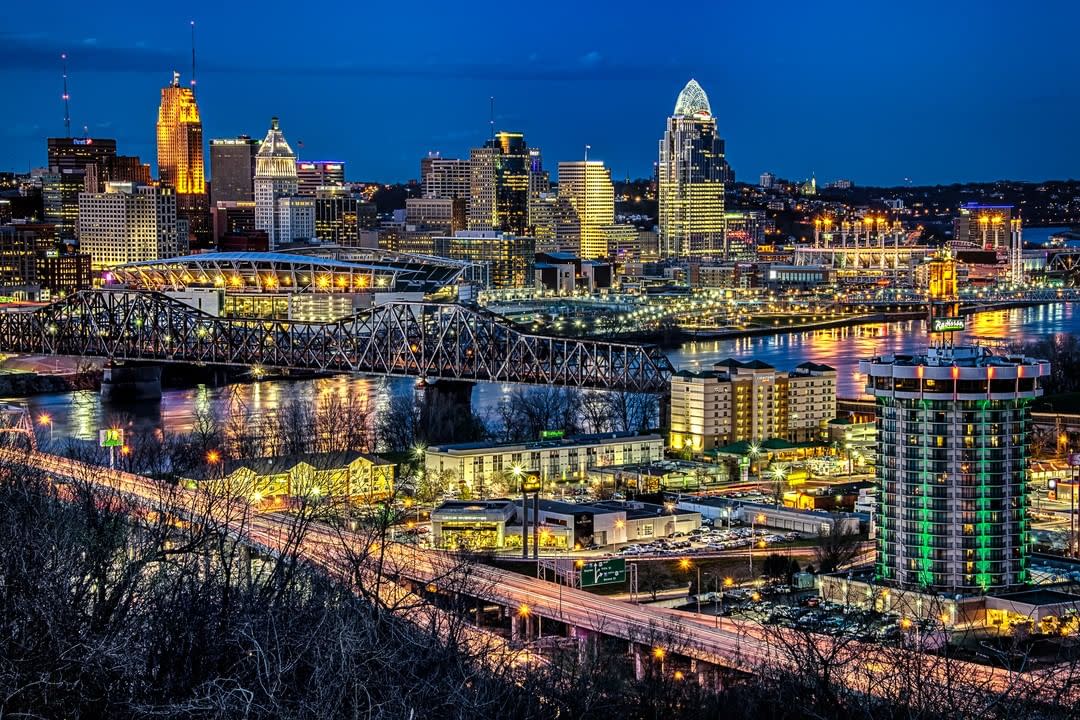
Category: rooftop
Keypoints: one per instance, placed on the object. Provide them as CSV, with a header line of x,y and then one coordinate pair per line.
x,y
281,464
570,441
1040,596
958,356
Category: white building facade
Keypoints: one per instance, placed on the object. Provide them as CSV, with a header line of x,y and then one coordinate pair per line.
x,y
128,223
275,178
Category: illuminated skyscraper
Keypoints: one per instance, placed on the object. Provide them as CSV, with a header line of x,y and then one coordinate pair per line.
x,y
180,155
587,186
500,184
275,178
690,175
953,432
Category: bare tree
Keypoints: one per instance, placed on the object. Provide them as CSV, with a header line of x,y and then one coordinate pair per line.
x,y
836,547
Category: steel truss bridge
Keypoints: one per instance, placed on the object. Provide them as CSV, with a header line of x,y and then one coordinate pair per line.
x,y
431,340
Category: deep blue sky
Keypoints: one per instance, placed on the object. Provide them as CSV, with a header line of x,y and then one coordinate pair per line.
x,y
878,92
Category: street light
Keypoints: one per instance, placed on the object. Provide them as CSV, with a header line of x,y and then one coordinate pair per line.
x,y
46,419
779,474
759,518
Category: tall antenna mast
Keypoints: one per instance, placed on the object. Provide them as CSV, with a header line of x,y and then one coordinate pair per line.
x,y
492,121
192,57
67,108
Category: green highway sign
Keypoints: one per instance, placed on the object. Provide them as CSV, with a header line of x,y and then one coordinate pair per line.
x,y
113,437
947,324
603,572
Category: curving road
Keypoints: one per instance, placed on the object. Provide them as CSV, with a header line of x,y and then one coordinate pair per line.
x,y
390,568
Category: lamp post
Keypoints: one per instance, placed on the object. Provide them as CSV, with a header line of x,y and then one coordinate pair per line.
x,y
759,518
46,419
685,564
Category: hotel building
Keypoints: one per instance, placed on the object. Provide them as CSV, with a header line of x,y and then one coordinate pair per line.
x,y
751,401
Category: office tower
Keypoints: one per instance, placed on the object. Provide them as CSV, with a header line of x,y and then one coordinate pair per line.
x,y
502,259
340,216
767,180
314,174
129,168
180,156
539,186
68,160
427,218
587,186
34,262
752,401
743,232
984,226
233,217
444,214
275,178
953,432
690,174
128,223
77,153
500,184
232,169
543,219
445,177
295,219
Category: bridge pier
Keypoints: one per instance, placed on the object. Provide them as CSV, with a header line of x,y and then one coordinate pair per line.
x,y
586,643
446,411
639,661
130,383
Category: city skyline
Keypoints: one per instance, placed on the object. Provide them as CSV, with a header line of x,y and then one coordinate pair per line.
x,y
801,108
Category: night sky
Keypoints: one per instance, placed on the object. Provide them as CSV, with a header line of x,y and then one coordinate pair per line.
x,y
877,92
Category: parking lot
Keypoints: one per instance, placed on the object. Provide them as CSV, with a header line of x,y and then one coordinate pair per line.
x,y
707,540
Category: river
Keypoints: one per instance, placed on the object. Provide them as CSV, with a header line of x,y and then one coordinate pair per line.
x,y
81,414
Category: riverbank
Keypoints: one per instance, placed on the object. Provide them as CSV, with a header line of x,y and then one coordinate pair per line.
x,y
21,384
675,337
175,376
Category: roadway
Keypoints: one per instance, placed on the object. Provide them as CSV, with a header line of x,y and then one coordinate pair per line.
x,y
343,554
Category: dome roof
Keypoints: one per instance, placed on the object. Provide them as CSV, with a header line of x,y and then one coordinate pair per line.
x,y
692,101
274,145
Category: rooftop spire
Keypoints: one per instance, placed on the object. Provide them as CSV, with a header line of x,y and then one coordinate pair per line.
x,y
192,57
692,101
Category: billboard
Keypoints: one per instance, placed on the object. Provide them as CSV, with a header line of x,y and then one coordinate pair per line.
x,y
112,437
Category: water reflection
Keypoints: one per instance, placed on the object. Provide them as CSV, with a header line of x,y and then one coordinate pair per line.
x,y
844,347
81,414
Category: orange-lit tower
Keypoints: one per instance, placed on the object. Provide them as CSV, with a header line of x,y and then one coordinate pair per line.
x,y
180,155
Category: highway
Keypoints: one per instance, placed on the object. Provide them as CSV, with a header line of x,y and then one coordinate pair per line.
x,y
357,559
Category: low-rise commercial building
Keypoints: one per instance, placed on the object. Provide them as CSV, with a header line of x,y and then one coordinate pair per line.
x,y
497,524
659,475
472,524
278,481
605,523
481,466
